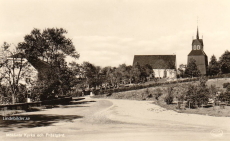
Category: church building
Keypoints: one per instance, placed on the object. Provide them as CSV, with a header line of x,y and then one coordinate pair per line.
x,y
164,66
198,54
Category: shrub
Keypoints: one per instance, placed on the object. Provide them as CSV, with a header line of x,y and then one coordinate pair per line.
x,y
198,95
225,85
158,93
169,97
224,97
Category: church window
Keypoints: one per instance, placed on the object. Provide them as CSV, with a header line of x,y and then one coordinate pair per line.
x,y
194,47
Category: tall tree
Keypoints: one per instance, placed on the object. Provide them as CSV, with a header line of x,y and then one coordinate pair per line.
x,y
93,75
146,71
136,72
109,76
52,46
14,69
47,44
191,69
213,67
224,62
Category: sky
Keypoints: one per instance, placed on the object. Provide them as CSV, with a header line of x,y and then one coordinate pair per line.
x,y
111,32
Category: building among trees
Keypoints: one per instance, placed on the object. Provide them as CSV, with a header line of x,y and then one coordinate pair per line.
x,y
164,66
199,55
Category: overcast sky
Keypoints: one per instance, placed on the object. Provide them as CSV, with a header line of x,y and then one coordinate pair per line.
x,y
111,32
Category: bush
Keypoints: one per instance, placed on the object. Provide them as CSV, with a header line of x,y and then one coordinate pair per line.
x,y
158,93
198,95
225,85
169,97
224,97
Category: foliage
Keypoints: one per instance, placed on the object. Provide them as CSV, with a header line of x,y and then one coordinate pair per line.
x,y
224,62
146,71
51,46
93,75
191,69
136,73
203,80
181,70
158,93
213,67
225,85
225,96
180,91
47,43
198,94
212,91
169,97
14,69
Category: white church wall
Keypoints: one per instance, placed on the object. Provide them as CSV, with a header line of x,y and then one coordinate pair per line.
x,y
170,73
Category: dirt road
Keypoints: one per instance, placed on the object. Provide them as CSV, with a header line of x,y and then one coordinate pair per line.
x,y
115,120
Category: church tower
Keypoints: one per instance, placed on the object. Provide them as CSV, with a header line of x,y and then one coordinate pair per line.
x,y
198,54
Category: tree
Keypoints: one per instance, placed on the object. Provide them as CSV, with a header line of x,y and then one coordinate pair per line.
x,y
197,95
50,46
213,67
13,70
192,70
181,70
224,62
109,75
93,75
136,72
146,71
120,74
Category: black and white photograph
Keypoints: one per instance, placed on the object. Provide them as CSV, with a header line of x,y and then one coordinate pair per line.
x,y
114,70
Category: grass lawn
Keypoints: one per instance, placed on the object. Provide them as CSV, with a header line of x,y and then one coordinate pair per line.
x,y
218,82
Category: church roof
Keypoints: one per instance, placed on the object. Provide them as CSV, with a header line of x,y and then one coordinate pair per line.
x,y
41,66
196,53
198,41
156,61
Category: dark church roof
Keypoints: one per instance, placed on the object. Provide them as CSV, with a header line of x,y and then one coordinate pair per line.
x,y
156,61
197,42
196,53
41,66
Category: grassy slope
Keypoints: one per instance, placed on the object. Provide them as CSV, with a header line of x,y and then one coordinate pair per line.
x,y
140,94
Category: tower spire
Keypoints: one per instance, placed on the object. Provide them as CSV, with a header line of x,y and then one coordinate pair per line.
x,y
197,34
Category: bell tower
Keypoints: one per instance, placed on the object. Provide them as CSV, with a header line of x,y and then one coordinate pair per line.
x,y
198,54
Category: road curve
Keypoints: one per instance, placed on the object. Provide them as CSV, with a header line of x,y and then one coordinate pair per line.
x,y
120,120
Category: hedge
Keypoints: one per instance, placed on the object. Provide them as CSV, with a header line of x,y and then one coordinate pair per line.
x,y
137,87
